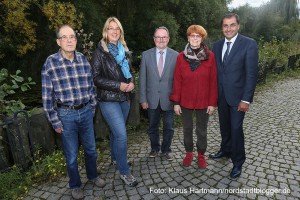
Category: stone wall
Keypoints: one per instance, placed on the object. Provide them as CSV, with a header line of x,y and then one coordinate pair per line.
x,y
44,136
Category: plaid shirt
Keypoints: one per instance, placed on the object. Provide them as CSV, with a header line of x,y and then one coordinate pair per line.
x,y
66,82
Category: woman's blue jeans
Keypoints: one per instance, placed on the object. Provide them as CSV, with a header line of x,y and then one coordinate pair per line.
x,y
78,123
115,114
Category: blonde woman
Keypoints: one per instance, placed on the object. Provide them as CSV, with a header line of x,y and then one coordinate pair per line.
x,y
114,82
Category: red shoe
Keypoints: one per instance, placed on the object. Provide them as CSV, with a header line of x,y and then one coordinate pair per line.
x,y
201,160
187,161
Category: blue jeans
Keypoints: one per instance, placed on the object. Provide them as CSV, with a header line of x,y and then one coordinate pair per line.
x,y
115,114
78,123
168,129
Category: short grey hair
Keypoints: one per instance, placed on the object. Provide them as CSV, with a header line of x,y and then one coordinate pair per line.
x,y
63,26
162,27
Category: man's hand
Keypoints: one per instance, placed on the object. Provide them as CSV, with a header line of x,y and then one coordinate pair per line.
x,y
145,105
59,130
243,107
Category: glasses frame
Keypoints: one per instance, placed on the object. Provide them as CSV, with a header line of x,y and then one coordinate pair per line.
x,y
161,38
66,38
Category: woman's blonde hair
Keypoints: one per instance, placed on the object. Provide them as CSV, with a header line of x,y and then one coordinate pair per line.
x,y
105,29
197,29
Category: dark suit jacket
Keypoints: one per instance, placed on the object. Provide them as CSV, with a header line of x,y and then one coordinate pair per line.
x,y
153,88
238,76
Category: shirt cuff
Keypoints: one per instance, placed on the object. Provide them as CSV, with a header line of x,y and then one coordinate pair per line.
x,y
57,125
247,102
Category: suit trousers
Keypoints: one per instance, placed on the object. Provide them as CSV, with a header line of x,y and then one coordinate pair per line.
x,y
231,126
168,129
201,129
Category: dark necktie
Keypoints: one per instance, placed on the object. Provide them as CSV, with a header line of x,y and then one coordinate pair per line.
x,y
226,52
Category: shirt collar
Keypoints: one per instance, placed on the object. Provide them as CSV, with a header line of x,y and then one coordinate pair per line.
x,y
61,58
157,51
232,39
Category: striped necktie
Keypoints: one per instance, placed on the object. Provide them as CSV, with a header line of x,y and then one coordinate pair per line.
x,y
226,52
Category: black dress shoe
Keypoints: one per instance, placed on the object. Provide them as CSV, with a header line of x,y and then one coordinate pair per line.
x,y
235,173
218,155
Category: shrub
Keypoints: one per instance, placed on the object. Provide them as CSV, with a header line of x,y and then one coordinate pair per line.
x,y
277,51
10,84
14,183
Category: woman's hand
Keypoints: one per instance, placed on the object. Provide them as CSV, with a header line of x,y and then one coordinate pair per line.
x,y
177,109
210,110
130,87
124,86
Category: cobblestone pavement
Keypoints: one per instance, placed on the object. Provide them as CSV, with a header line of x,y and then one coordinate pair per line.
x,y
272,130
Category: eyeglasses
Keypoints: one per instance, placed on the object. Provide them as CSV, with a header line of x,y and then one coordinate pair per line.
x,y
161,38
66,38
113,29
195,36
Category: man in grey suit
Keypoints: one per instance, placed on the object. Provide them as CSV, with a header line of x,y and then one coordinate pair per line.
x,y
156,81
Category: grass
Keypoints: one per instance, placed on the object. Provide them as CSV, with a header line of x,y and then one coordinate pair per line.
x,y
274,78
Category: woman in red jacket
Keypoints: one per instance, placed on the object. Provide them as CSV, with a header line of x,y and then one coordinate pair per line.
x,y
195,91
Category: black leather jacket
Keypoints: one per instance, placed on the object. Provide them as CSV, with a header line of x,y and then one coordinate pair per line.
x,y
108,74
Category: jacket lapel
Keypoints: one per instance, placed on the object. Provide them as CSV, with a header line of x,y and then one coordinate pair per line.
x,y
168,55
153,60
234,48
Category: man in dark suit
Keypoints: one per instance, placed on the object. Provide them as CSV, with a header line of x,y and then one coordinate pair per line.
x,y
156,81
237,69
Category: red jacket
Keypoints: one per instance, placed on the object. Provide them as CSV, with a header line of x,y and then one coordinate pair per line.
x,y
195,89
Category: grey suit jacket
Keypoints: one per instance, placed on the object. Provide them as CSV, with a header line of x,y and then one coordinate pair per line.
x,y
154,89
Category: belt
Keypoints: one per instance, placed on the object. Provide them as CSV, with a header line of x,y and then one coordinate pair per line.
x,y
75,107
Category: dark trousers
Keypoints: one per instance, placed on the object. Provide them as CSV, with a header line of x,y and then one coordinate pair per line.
x,y
168,129
231,126
201,129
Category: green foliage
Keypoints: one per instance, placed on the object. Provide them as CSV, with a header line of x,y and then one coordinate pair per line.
x,y
27,27
20,23
20,31
277,49
49,166
61,13
14,183
169,22
276,18
10,84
